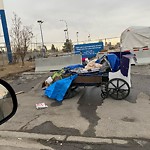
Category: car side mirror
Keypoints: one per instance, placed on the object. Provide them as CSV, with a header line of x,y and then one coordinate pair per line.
x,y
8,102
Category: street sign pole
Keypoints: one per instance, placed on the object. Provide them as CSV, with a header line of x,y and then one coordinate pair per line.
x,y
5,31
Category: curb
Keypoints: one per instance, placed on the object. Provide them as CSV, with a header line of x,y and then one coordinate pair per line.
x,y
14,73
96,140
61,138
34,136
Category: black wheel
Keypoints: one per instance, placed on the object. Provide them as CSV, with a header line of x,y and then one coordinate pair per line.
x,y
104,92
104,95
118,88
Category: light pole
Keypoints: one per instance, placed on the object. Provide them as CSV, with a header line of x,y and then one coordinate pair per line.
x,y
31,39
89,37
40,23
65,33
77,37
66,28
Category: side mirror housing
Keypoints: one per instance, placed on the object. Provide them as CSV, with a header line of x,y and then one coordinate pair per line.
x,y
8,102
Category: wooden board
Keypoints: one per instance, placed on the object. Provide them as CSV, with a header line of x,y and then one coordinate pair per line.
x,y
88,79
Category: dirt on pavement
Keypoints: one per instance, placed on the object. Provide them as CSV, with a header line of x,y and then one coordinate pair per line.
x,y
9,70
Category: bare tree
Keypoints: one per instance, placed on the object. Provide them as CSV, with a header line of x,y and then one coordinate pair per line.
x,y
26,36
15,37
21,38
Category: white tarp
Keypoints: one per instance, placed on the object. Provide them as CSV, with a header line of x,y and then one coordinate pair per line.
x,y
135,37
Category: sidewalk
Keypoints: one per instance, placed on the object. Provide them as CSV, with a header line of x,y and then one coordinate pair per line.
x,y
19,140
64,138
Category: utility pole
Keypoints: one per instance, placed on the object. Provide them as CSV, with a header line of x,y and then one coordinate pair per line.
x,y
77,33
5,31
66,28
43,47
89,37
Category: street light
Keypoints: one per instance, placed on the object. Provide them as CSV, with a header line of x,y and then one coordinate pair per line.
x,y
40,23
89,37
77,37
31,39
66,28
65,33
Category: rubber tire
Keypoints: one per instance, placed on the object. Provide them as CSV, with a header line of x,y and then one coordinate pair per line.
x,y
117,89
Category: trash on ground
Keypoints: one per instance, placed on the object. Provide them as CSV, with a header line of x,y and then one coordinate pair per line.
x,y
41,106
20,92
113,67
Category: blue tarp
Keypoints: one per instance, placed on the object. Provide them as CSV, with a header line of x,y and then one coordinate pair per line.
x,y
71,67
114,62
58,89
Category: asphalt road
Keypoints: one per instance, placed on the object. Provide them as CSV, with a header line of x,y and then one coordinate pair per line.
x,y
27,81
140,79
140,83
87,105
88,102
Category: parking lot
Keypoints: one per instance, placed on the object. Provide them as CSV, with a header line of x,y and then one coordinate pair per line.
x,y
86,114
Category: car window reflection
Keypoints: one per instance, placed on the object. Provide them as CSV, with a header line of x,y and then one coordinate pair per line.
x,y
6,104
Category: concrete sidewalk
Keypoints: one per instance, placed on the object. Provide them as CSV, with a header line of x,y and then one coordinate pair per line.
x,y
21,136
20,140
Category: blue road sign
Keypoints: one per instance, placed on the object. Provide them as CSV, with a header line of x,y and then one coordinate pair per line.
x,y
88,50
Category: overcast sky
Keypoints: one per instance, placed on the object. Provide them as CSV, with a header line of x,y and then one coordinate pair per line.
x,y
99,18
